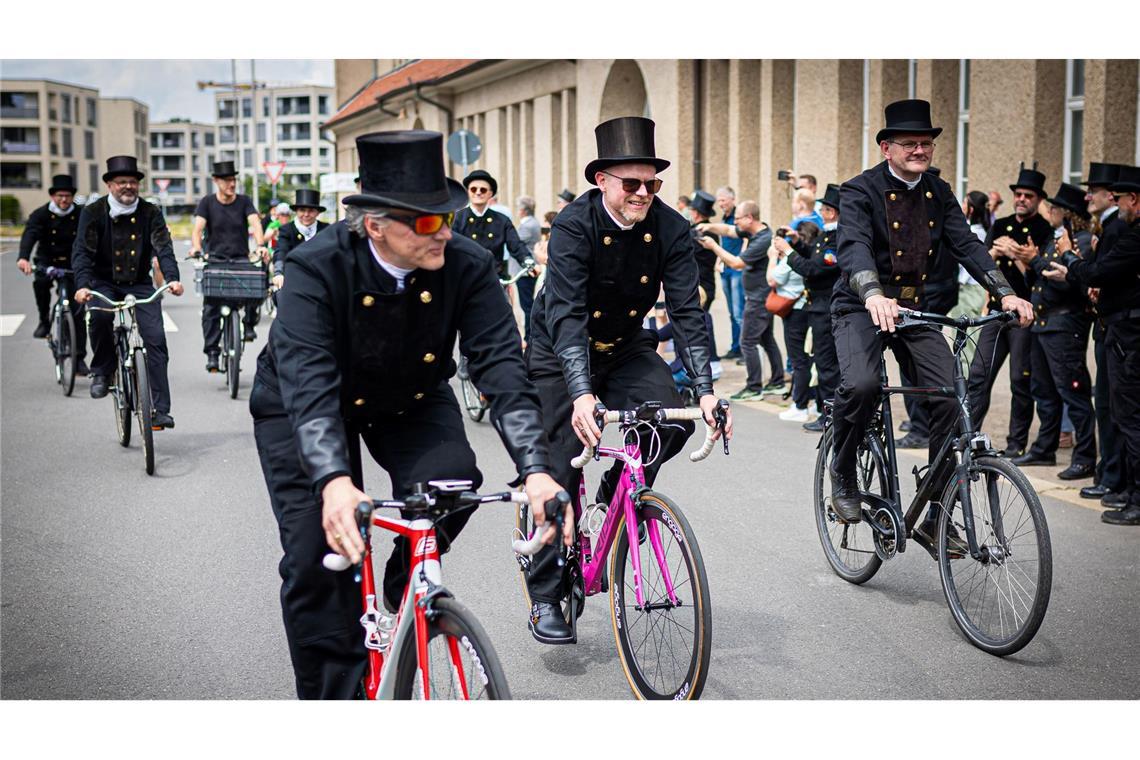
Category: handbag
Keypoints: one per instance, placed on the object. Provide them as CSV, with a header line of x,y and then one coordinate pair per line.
x,y
779,305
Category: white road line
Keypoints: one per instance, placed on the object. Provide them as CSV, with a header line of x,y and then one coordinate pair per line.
x,y
10,323
168,323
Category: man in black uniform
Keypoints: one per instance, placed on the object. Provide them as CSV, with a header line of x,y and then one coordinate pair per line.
x,y
118,236
819,267
308,207
1117,274
610,252
53,226
1007,237
896,219
362,349
565,198
486,226
701,210
228,219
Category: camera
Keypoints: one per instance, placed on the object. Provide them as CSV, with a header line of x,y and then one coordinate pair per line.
x,y
783,175
783,231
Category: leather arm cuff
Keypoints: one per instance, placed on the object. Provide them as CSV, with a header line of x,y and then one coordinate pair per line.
x,y
324,452
865,284
997,285
522,433
575,362
696,361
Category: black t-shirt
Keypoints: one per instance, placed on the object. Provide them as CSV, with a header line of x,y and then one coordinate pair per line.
x,y
226,226
755,256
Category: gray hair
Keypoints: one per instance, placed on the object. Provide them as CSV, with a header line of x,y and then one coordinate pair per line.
x,y
527,203
726,190
354,217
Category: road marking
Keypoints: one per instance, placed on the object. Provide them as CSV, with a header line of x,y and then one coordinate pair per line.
x,y
168,323
10,323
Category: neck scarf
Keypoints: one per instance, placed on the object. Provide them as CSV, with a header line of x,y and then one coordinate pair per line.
x,y
308,232
58,211
118,209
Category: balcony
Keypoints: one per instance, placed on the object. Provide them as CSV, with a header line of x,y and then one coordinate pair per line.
x,y
11,146
20,112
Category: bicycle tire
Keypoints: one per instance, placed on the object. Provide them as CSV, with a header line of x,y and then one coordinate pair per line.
x,y
65,351
849,549
1033,559
144,409
482,671
233,363
121,397
640,634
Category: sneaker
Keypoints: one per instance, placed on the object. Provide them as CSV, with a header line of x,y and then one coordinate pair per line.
x,y
794,414
733,353
42,330
912,440
815,426
250,335
776,387
746,394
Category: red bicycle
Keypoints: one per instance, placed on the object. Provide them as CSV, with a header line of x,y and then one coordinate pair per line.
x,y
434,648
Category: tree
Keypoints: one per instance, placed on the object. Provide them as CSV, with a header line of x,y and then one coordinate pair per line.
x,y
10,209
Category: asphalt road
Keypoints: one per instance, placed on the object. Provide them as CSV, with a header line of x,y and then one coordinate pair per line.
x,y
116,585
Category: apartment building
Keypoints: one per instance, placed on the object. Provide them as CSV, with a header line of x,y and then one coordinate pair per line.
x,y
124,129
181,152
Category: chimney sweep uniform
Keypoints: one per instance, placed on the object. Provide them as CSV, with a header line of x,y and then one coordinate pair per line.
x,y
356,354
293,234
491,229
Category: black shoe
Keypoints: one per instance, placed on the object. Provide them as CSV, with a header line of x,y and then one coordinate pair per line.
x,y
904,426
845,497
1114,500
925,532
1077,471
1096,491
81,368
733,354
98,386
1032,460
250,335
741,362
1012,451
211,362
912,441
42,330
548,626
815,426
161,421
1129,516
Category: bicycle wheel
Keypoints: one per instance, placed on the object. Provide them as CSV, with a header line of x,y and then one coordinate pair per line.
x,y
65,351
998,602
121,397
664,648
233,352
454,635
144,409
849,549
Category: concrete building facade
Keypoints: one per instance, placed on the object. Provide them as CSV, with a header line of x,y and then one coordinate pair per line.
x,y
182,152
738,122
124,131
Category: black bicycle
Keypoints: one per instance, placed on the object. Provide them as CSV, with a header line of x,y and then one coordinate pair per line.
x,y
130,385
62,338
992,542
235,284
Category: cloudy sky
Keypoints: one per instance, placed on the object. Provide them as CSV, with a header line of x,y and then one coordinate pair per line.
x,y
169,87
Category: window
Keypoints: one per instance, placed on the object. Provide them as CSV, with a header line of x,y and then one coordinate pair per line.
x,y
19,105
166,140
92,119
195,163
167,163
209,139
88,144
225,109
23,176
265,154
20,140
247,157
197,186
963,147
265,106
194,140
245,133
323,108
300,180
226,134
65,109
261,133
294,132
73,169
1074,120
53,114
66,142
53,136
93,176
294,106
246,108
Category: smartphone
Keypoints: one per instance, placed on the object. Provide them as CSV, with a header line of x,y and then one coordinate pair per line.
x,y
783,175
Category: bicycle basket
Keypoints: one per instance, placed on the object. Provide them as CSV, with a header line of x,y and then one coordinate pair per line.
x,y
234,282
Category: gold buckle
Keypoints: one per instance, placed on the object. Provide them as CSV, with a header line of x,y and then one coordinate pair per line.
x,y
603,348
908,292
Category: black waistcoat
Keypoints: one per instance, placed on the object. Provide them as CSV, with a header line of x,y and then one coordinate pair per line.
x,y
1035,228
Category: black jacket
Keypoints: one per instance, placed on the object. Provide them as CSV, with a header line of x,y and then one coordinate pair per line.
x,y
347,351
819,267
289,238
55,234
492,230
119,250
601,281
1035,228
1059,306
889,236
1116,272
1111,229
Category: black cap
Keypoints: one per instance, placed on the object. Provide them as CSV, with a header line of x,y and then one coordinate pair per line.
x,y
1128,181
702,202
306,198
566,195
1102,175
1072,198
481,175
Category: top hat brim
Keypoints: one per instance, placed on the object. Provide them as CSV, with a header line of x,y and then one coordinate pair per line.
x,y
824,201
53,189
1026,186
601,164
298,206
453,198
889,132
1125,187
107,176
1062,203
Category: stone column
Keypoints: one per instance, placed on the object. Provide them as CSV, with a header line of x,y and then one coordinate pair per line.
x,y
547,138
888,83
714,117
937,82
744,128
777,88
1110,111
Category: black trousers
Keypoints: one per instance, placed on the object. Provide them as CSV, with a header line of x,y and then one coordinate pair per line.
x,y
41,286
823,355
796,326
857,345
633,375
995,342
149,319
937,302
212,321
756,333
1122,345
1061,377
1111,470
321,609
525,287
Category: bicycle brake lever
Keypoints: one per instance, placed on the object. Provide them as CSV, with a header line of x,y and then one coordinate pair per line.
x,y
721,416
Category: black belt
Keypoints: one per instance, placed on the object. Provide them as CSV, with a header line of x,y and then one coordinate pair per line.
x,y
1121,316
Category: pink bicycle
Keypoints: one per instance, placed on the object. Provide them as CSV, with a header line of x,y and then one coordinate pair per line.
x,y
659,595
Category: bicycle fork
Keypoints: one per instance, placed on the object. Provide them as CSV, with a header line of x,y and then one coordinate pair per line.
x,y
627,493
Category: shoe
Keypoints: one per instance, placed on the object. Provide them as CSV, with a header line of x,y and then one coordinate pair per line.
x,y
815,426
746,394
42,329
731,354
1129,516
812,410
912,441
1033,460
794,414
1095,491
1012,451
548,626
1077,471
1065,441
81,368
162,421
904,426
773,388
1114,500
741,363
211,362
925,533
250,335
98,386
845,500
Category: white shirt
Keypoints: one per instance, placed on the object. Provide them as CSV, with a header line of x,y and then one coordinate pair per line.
x,y
397,273
625,227
909,185
1105,214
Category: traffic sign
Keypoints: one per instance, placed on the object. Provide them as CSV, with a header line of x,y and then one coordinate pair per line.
x,y
273,170
337,182
464,148
162,185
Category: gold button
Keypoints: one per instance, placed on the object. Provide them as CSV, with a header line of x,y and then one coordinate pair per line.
x,y
473,236
895,225
429,358
132,237
898,277
924,277
930,252
487,220
929,194
1025,230
893,196
633,312
607,240
418,396
118,253
359,402
471,220
644,279
425,297
1009,228
132,251
299,236
368,300
132,220
53,232
597,315
898,253
490,234
931,222
648,238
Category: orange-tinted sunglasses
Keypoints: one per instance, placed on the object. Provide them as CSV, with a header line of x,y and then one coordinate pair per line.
x,y
425,224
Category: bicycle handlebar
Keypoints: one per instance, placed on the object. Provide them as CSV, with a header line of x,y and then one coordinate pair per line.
x,y
55,273
910,318
527,270
554,513
130,301
656,415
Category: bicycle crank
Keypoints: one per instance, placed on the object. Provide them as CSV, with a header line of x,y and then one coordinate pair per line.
x,y
885,530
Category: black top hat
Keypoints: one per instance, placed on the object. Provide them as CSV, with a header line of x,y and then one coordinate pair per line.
x,y
224,169
907,117
404,169
566,195
1072,198
306,198
485,176
1102,175
624,140
1030,179
1128,181
122,166
62,183
831,197
702,203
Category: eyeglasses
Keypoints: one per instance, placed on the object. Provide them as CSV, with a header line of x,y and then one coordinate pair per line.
x,y
425,224
125,182
632,184
1029,196
478,190
910,145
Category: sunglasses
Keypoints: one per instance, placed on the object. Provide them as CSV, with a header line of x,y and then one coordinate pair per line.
x,y
478,190
632,185
425,224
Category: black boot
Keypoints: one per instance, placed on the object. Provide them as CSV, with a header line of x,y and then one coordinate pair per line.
x,y
845,496
548,626
212,362
42,329
98,386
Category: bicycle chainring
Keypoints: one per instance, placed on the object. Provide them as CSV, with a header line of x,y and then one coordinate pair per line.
x,y
886,540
